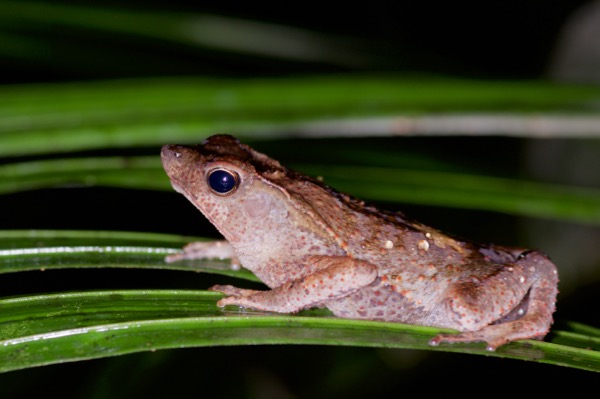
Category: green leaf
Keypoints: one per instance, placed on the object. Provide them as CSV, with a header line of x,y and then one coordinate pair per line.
x,y
117,114
25,250
468,191
397,184
53,328
47,329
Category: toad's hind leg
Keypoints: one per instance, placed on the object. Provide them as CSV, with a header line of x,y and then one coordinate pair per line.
x,y
531,318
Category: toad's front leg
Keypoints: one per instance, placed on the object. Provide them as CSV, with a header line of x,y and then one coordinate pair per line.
x,y
337,277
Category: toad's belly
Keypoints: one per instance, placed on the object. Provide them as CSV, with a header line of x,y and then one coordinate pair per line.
x,y
380,302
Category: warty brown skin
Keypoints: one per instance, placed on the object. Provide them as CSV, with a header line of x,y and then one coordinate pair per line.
x,y
314,247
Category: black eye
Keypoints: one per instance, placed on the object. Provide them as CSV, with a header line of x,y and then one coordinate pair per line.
x,y
222,181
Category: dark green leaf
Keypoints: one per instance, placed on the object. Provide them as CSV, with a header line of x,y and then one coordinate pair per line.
x,y
53,328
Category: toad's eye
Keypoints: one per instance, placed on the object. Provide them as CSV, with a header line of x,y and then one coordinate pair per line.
x,y
223,182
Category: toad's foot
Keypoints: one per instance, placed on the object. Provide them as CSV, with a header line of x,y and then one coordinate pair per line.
x,y
477,336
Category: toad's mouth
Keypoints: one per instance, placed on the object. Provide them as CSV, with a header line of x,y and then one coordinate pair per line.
x,y
178,188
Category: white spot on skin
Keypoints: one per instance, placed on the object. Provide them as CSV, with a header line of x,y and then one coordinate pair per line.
x,y
428,235
522,279
521,312
424,245
389,244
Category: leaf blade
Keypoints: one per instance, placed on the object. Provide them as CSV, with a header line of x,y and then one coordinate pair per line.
x,y
105,336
